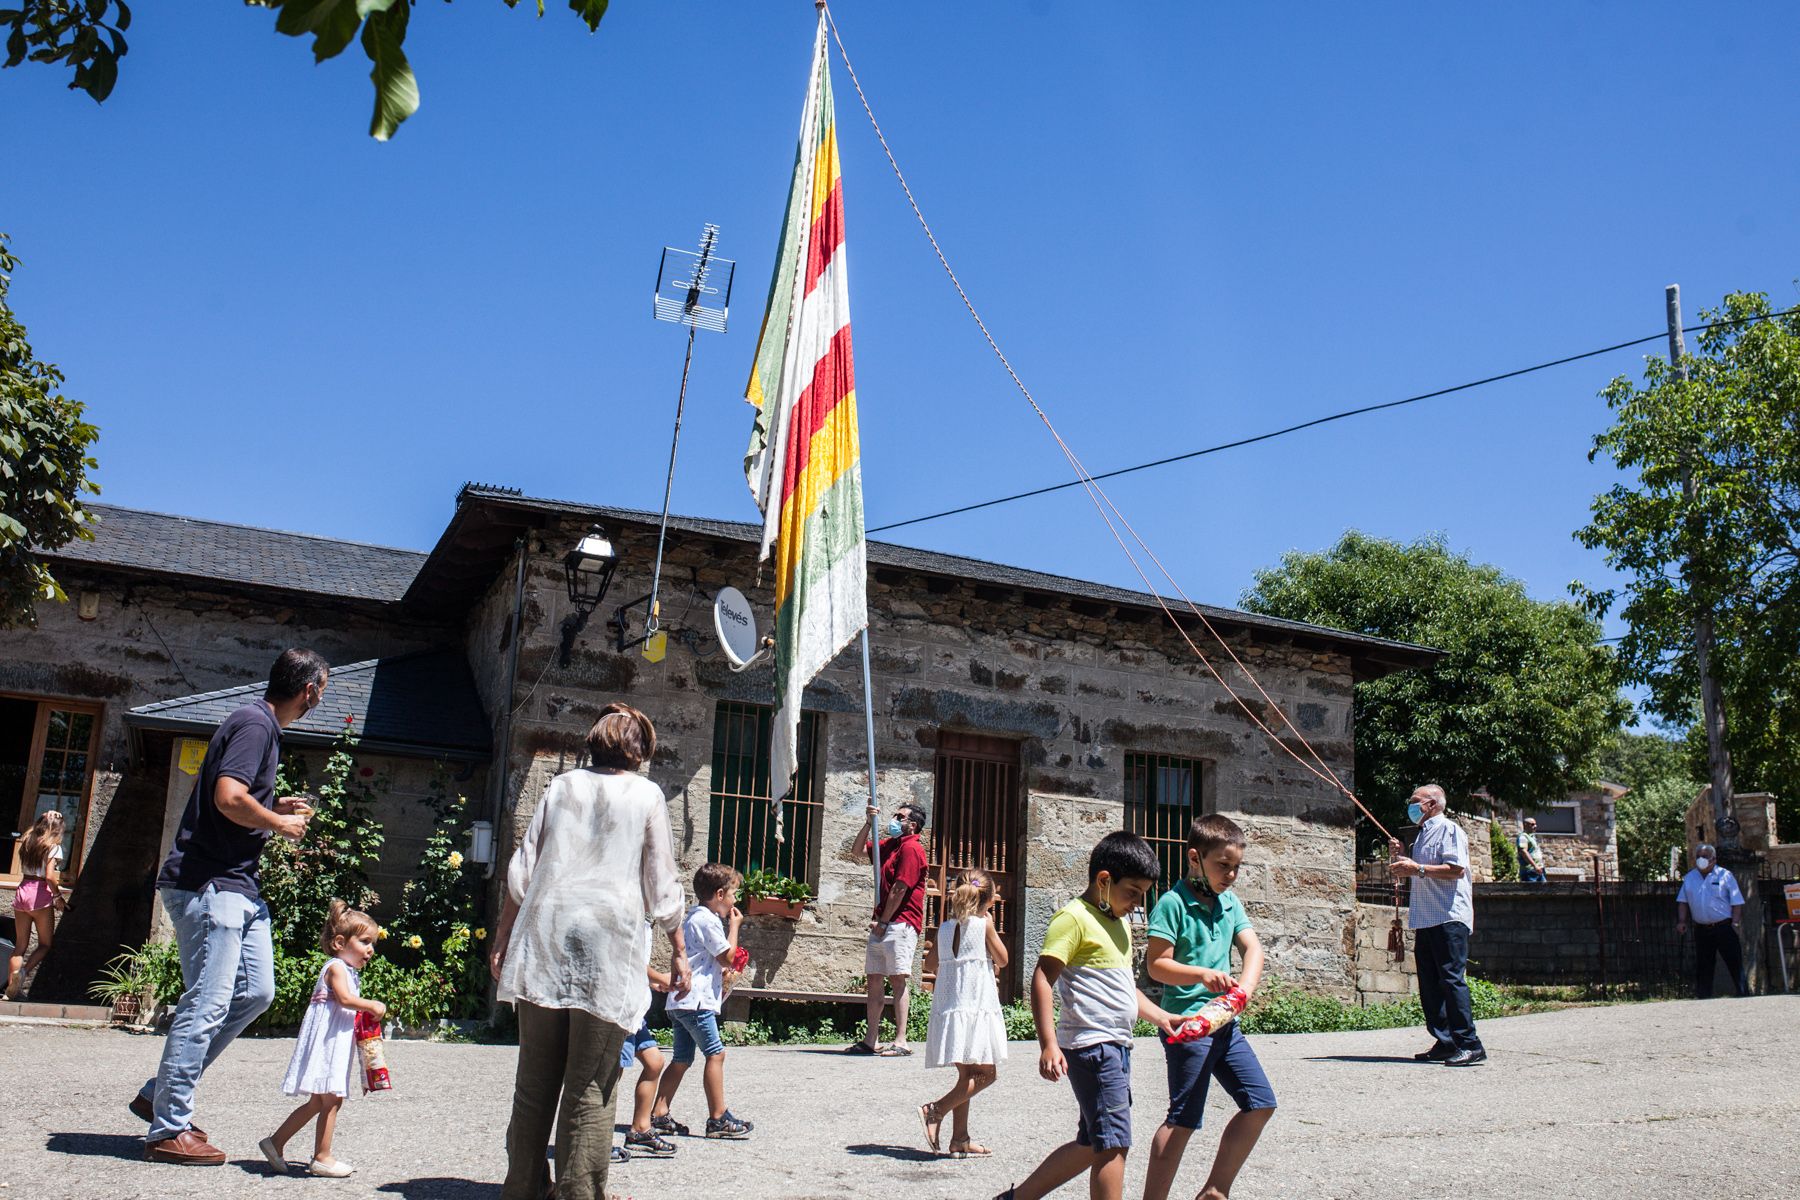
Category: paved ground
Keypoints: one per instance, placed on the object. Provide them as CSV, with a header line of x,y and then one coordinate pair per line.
x,y
1654,1100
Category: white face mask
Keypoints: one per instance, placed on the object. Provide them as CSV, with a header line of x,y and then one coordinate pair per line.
x,y
1703,862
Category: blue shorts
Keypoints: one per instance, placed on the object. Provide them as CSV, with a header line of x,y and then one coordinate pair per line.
x,y
635,1045
1101,1077
1227,1056
696,1029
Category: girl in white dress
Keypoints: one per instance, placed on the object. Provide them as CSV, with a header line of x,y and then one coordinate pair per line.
x,y
325,1057
967,1029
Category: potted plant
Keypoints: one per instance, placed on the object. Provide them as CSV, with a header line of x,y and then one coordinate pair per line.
x,y
767,893
122,985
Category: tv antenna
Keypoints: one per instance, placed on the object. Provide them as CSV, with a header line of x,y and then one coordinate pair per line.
x,y
693,288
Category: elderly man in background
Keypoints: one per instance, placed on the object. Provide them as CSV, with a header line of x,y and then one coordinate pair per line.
x,y
1531,855
1710,899
1441,914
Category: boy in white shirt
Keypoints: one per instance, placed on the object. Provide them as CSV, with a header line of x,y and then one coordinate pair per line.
x,y
711,936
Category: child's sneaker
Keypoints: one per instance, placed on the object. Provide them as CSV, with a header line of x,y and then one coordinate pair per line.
x,y
670,1126
620,1154
649,1142
727,1126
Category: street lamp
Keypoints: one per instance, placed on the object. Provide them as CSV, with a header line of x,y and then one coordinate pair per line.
x,y
589,570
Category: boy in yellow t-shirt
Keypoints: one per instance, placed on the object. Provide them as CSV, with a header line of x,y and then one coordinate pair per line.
x,y
1086,964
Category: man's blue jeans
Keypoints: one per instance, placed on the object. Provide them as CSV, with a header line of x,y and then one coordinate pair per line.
x,y
228,965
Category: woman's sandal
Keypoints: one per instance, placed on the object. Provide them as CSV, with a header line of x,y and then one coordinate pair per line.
x,y
933,1122
969,1150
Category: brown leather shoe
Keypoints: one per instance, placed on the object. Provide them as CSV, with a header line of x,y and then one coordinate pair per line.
x,y
187,1148
140,1108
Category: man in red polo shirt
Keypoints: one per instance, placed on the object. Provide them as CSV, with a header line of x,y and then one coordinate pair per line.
x,y
894,931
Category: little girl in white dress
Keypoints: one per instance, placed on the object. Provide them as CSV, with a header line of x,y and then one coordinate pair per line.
x,y
324,1059
967,1029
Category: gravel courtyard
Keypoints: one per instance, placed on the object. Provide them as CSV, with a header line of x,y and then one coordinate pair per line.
x,y
1641,1100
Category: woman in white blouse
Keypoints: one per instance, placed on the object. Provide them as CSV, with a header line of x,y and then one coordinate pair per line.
x,y
569,953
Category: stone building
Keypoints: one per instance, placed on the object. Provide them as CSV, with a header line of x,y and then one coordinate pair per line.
x,y
1028,713
1575,832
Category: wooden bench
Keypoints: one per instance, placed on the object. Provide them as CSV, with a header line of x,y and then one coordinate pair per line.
x,y
737,1004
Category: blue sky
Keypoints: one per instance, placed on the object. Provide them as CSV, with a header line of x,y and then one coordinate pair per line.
x,y
1185,223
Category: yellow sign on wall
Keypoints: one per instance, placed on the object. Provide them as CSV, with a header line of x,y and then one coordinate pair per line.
x,y
193,753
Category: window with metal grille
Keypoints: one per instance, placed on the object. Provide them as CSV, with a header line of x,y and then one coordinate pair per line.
x,y
1559,817
743,808
1163,795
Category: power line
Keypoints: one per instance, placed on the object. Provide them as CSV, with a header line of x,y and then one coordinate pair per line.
x,y
1325,420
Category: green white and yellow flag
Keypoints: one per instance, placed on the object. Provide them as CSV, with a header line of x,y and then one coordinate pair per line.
x,y
803,461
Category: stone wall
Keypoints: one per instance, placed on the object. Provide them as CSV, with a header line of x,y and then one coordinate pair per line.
x,y
153,642
1571,856
1075,685
1379,979
1554,934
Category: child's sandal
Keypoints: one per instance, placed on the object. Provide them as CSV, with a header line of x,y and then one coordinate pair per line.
x,y
933,1122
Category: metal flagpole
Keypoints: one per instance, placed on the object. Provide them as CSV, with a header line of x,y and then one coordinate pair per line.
x,y
869,732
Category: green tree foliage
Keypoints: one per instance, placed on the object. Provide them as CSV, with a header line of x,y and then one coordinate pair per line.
x,y
1663,782
44,466
88,37
343,841
1520,703
1505,853
1731,548
437,932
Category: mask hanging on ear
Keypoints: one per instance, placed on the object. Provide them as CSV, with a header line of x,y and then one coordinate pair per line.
x,y
1105,904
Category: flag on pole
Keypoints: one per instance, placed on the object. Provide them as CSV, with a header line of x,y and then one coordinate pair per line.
x,y
802,463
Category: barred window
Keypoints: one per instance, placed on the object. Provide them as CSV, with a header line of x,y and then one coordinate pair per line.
x,y
743,809
1163,795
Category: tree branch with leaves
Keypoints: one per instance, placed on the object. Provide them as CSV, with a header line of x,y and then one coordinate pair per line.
x,y
44,466
1711,523
88,37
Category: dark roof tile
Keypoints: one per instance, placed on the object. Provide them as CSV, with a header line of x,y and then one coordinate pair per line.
x,y
242,554
411,703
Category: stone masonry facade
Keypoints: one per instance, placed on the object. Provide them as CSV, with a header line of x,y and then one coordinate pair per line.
x,y
1076,691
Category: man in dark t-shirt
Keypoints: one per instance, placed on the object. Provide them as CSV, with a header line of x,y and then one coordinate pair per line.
x,y
898,920
209,886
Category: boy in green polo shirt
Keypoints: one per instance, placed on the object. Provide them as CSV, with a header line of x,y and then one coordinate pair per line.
x,y
1192,930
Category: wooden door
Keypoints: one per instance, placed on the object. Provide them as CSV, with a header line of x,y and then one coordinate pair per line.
x,y
975,822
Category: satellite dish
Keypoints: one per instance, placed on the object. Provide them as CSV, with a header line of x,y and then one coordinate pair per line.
x,y
735,623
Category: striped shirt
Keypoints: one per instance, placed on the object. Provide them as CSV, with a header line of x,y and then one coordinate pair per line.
x,y
1097,990
1440,901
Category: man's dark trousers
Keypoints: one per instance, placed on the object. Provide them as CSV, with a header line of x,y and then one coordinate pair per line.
x,y
1711,941
1443,956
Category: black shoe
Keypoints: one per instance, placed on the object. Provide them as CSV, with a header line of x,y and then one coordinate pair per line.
x,y
669,1126
649,1142
1466,1058
1438,1053
727,1126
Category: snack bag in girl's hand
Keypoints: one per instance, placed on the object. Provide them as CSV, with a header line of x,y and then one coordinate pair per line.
x,y
1217,1013
374,1058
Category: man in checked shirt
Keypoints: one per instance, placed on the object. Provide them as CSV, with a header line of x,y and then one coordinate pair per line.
x,y
1441,915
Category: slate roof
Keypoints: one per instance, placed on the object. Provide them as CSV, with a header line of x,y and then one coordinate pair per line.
x,y
408,704
439,571
162,544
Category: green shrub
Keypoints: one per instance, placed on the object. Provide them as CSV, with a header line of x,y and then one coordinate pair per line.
x,y
1505,852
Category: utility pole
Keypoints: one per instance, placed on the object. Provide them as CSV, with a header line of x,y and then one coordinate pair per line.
x,y
1712,698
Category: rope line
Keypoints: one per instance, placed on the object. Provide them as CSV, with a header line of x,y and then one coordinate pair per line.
x,y
1327,419
1102,502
